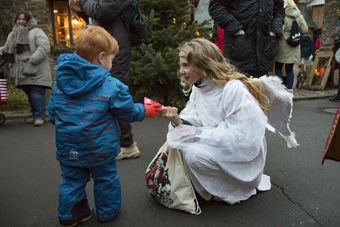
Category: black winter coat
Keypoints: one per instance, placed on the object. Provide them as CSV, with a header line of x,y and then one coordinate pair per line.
x,y
255,50
306,46
336,37
115,16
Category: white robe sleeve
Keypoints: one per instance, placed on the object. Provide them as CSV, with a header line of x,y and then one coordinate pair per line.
x,y
238,137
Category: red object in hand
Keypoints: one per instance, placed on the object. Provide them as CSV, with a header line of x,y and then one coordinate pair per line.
x,y
152,110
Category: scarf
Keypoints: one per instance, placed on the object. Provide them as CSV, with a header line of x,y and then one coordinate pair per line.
x,y
18,41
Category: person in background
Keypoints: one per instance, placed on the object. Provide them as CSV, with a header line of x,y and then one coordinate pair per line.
x,y
251,29
113,16
26,51
221,131
306,48
85,105
210,33
286,54
219,34
317,44
336,46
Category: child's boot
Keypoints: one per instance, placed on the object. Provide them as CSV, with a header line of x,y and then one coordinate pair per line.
x,y
81,212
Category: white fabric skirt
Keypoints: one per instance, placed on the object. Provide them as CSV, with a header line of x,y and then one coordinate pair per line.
x,y
230,182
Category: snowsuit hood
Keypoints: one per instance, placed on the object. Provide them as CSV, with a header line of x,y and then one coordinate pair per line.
x,y
77,77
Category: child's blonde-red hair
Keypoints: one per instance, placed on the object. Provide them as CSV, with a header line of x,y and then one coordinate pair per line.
x,y
93,41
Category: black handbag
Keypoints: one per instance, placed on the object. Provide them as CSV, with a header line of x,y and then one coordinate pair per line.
x,y
138,28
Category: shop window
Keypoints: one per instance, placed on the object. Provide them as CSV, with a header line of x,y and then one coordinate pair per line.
x,y
67,24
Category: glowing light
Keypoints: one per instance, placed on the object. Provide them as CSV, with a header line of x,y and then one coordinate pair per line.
x,y
55,11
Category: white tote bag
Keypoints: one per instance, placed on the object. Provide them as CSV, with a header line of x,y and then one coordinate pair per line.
x,y
168,181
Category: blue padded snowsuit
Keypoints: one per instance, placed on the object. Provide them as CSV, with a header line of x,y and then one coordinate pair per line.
x,y
85,104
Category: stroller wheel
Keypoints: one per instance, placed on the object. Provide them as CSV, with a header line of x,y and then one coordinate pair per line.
x,y
2,119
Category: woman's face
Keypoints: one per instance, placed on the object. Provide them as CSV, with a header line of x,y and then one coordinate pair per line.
x,y
189,75
21,21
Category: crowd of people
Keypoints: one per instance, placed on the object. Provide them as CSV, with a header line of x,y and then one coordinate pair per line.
x,y
222,128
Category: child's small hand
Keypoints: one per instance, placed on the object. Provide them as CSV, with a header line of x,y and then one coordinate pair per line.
x,y
171,114
152,110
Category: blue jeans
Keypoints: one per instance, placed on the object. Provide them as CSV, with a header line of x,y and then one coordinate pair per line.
x,y
289,73
107,191
303,59
37,100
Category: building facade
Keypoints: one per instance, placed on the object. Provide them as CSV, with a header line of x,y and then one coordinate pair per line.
x,y
54,17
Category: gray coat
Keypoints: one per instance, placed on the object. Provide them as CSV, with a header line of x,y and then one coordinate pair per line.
x,y
284,52
39,73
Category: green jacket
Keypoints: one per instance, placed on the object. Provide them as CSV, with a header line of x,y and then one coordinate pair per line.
x,y
284,52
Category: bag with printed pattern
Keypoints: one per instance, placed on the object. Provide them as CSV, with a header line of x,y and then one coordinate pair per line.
x,y
169,183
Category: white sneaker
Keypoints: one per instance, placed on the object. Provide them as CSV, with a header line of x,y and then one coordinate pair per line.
x,y
129,152
39,122
30,120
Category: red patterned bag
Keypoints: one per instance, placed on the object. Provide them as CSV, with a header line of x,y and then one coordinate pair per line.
x,y
168,182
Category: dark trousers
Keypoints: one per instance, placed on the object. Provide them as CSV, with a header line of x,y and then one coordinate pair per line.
x,y
126,136
121,65
289,73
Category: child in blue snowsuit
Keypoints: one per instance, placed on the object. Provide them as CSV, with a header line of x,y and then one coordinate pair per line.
x,y
85,105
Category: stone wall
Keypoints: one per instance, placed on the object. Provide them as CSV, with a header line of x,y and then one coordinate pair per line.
x,y
40,9
328,27
42,12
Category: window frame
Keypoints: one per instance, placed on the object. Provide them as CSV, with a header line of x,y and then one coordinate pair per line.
x,y
69,18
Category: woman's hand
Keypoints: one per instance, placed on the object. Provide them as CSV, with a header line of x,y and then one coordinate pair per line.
x,y
74,5
241,32
29,62
272,33
171,114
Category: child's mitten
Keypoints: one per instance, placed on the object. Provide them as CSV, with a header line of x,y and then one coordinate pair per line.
x,y
152,110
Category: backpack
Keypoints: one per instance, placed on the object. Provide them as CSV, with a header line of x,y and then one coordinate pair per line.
x,y
295,35
138,27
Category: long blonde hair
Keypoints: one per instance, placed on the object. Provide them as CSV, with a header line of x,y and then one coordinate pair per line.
x,y
206,59
290,3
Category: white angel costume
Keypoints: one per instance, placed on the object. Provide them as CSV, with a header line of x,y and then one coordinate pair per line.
x,y
224,146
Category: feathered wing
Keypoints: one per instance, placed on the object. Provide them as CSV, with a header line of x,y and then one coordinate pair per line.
x,y
281,108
